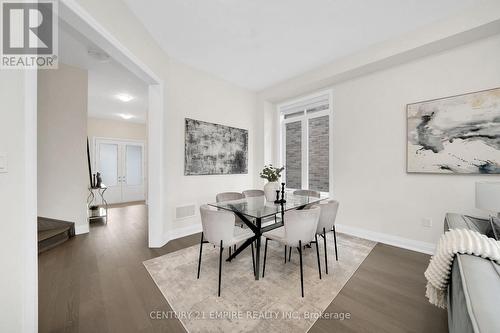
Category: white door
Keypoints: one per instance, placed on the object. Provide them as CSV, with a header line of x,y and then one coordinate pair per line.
x,y
108,165
133,172
121,164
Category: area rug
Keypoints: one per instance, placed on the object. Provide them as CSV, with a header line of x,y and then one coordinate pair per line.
x,y
272,304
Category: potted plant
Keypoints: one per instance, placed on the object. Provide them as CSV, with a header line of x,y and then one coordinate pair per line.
x,y
272,175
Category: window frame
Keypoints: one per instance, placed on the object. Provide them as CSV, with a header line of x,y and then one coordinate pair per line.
x,y
304,118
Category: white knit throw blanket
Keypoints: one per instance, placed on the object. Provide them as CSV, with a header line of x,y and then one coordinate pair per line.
x,y
463,241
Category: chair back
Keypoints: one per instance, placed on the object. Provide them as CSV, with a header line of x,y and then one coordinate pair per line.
x,y
307,193
217,225
253,193
228,196
328,214
301,225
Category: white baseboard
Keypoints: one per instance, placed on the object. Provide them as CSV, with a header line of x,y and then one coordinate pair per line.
x,y
182,232
405,243
81,229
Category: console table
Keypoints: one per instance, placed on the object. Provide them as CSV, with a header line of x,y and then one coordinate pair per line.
x,y
97,211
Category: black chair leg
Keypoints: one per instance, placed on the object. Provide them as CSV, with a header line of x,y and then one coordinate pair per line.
x,y
290,254
229,252
285,253
253,261
317,254
301,272
220,265
199,258
326,251
335,241
265,255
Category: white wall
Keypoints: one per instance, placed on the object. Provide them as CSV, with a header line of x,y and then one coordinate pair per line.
x,y
369,143
62,146
18,309
188,93
109,128
209,99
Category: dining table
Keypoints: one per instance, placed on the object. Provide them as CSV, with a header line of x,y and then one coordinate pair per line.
x,y
260,216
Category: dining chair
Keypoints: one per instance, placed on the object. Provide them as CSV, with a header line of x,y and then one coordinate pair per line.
x,y
299,228
252,193
326,224
219,230
307,193
229,196
259,193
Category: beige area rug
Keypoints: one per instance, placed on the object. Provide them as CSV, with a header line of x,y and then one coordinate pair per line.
x,y
272,304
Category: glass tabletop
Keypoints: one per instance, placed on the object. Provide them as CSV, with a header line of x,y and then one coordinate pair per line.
x,y
258,207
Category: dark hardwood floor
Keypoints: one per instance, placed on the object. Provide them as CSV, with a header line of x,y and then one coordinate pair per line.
x,y
386,294
97,283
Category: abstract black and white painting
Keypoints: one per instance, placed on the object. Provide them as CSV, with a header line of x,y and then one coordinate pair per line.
x,y
459,134
213,149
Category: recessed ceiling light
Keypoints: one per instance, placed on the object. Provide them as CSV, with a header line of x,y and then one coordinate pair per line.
x,y
124,97
126,116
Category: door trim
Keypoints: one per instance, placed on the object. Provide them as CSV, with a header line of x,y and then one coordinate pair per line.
x,y
30,276
95,139
122,142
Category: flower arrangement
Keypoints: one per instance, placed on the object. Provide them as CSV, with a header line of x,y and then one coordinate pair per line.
x,y
271,173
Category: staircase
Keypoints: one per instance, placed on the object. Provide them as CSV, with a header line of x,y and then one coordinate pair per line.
x,y
53,232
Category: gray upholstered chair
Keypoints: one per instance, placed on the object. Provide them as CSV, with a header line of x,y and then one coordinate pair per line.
x,y
326,224
299,229
259,193
229,196
253,193
219,230
307,193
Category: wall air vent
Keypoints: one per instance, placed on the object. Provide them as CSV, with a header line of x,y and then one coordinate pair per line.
x,y
182,212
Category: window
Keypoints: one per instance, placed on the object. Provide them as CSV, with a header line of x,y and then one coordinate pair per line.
x,y
305,142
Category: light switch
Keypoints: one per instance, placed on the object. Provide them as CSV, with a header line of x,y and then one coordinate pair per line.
x,y
3,163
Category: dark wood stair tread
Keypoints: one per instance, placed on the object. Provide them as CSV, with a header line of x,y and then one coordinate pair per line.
x,y
53,232
46,234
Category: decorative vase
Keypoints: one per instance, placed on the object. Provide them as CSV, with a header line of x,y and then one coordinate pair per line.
x,y
98,180
270,190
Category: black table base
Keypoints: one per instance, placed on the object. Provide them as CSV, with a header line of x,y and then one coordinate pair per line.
x,y
258,231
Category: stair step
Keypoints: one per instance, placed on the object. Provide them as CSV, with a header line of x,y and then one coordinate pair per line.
x,y
52,242
46,234
53,232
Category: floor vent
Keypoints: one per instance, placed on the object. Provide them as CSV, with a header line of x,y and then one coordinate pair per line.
x,y
183,212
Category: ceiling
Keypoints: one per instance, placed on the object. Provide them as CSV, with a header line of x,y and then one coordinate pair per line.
x,y
258,43
107,79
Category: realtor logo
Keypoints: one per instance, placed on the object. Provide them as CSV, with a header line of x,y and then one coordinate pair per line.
x,y
29,34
